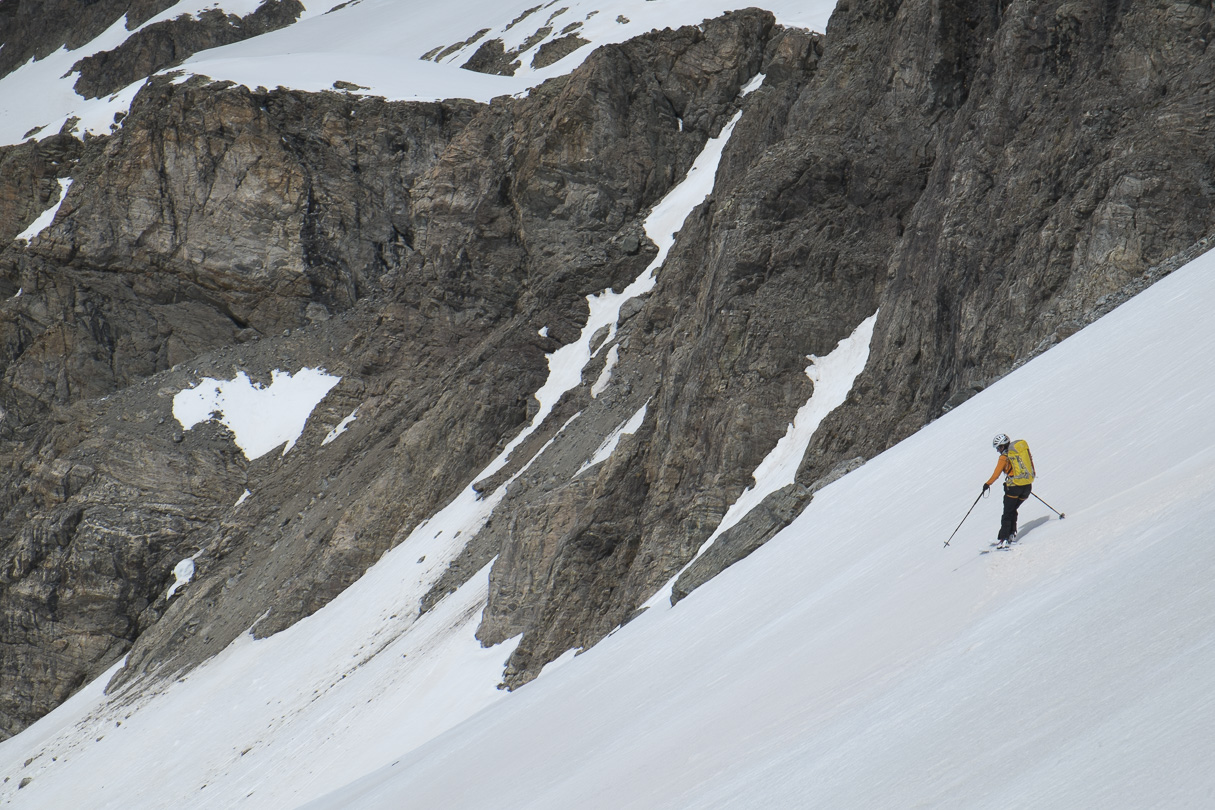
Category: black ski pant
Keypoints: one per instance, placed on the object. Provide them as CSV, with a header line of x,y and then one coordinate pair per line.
x,y
1014,496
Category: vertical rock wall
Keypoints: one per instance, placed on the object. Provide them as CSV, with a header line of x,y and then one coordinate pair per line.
x,y
1080,158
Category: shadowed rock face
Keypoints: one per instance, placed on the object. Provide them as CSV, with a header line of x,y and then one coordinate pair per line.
x,y
37,28
985,176
1079,158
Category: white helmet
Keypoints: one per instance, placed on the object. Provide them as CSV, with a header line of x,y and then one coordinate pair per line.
x,y
999,441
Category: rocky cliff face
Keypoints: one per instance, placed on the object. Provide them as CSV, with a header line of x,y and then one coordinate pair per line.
x,y
1079,158
984,176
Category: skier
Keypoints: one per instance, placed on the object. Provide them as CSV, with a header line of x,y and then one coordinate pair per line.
x,y
1018,467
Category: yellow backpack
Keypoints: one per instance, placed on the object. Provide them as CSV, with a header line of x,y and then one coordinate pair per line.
x,y
1022,471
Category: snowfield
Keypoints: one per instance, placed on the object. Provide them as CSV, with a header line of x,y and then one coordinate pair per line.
x,y
261,417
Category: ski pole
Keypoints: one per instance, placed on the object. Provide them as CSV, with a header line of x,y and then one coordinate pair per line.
x,y
1048,506
968,511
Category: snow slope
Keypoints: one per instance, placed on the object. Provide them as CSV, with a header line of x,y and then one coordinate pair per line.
x,y
855,662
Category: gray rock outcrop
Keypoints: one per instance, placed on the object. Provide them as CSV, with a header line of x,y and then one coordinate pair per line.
x,y
440,237
171,42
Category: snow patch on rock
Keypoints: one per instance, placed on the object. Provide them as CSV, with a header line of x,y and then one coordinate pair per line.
x,y
47,217
261,418
340,428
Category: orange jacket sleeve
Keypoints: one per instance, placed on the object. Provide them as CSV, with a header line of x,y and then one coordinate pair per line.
x,y
1002,466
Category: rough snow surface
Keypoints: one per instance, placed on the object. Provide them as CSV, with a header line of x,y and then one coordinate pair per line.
x,y
261,418
351,686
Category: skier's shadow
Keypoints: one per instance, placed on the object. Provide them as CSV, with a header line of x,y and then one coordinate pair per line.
x,y
1028,527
